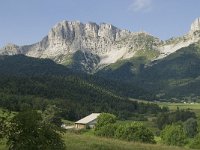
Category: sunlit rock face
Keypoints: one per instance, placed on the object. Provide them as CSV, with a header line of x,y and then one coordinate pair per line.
x,y
100,45
195,25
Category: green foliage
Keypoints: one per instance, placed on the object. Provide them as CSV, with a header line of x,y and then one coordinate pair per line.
x,y
176,76
190,127
28,131
166,118
173,135
134,132
22,65
5,117
51,115
83,61
105,125
104,119
74,97
149,54
28,83
75,141
124,70
195,143
107,130
2,127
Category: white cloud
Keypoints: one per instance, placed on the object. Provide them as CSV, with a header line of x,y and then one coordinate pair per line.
x,y
141,5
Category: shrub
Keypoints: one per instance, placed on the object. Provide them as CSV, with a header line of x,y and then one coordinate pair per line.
x,y
190,127
107,130
195,143
173,135
134,132
107,127
105,119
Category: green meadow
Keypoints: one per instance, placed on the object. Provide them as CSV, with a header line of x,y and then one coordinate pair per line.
x,y
91,142
87,141
195,107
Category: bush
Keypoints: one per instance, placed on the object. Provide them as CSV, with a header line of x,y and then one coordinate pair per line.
x,y
134,132
190,127
107,130
173,135
195,143
105,119
107,127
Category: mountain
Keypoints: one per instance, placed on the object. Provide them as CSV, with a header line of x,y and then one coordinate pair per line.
x,y
99,45
130,64
175,77
105,42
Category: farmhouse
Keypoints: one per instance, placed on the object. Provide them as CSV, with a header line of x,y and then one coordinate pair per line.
x,y
87,122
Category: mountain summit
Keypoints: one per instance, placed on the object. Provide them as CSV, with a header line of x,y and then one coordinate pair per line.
x,y
90,46
195,25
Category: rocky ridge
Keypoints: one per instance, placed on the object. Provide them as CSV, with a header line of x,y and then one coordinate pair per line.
x,y
105,44
174,44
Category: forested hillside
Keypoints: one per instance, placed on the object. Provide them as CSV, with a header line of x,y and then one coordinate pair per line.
x,y
36,83
175,77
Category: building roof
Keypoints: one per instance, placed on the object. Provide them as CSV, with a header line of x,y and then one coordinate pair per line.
x,y
88,119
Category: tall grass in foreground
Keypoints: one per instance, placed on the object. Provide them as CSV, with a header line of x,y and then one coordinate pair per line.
x,y
90,142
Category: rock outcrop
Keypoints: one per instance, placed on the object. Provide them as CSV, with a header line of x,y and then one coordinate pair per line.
x,y
105,41
174,44
195,25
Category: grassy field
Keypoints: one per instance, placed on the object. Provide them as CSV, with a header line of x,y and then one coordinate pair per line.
x,y
173,106
91,142
87,141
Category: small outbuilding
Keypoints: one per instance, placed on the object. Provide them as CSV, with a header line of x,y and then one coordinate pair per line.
x,y
87,122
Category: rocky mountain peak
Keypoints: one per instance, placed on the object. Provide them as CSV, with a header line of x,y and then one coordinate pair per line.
x,y
100,44
195,25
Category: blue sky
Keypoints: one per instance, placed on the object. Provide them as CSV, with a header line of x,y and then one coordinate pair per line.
x,y
28,21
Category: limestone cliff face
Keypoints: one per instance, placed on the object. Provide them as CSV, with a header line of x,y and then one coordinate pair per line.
x,y
174,44
105,41
195,25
